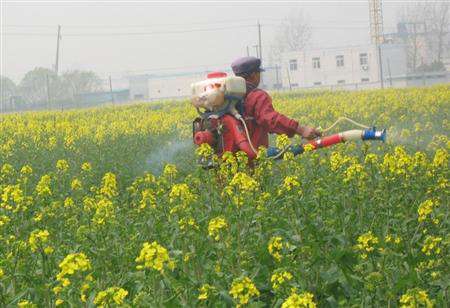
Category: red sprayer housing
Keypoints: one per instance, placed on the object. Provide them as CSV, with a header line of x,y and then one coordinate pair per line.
x,y
226,134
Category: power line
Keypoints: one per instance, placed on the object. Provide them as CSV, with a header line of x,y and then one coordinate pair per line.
x,y
128,26
90,34
128,33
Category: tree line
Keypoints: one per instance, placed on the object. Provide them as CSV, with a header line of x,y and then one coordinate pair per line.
x,y
42,87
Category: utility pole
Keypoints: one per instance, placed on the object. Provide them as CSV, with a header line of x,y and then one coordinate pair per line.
x,y
389,71
259,41
111,90
48,91
260,51
58,38
289,78
277,75
380,61
248,52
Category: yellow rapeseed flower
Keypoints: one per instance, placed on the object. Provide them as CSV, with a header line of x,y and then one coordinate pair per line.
x,y
415,298
279,278
215,226
276,246
303,300
112,295
366,243
206,291
154,256
37,239
432,245
62,165
425,209
72,263
242,290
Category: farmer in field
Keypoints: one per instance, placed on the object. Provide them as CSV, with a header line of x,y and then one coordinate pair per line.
x,y
258,111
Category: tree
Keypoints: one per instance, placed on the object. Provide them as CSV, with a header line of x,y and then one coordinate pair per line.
x,y
76,82
35,90
33,87
293,34
437,15
425,31
8,90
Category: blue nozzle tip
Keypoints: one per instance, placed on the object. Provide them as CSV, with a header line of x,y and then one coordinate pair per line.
x,y
373,134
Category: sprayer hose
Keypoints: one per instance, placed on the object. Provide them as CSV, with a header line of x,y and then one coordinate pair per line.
x,y
344,119
248,135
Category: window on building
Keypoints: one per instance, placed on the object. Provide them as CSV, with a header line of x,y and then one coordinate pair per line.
x,y
364,79
363,60
316,62
293,65
341,81
340,61
318,83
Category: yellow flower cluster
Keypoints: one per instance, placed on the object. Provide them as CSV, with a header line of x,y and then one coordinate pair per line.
x,y
13,199
170,170
206,291
282,141
242,290
104,211
147,199
181,193
354,171
303,300
154,256
366,243
62,165
76,184
241,186
276,246
37,240
425,209
215,226
86,167
4,220
186,223
26,304
72,263
112,295
431,245
43,186
290,183
109,185
244,182
415,298
279,278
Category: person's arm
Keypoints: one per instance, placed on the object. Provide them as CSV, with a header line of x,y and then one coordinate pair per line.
x,y
276,122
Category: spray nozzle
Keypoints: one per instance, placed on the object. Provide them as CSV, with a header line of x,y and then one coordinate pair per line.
x,y
374,134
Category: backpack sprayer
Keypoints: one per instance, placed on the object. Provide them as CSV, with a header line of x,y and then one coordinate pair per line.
x,y
220,124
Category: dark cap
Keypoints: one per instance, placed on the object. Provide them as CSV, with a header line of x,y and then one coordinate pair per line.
x,y
246,65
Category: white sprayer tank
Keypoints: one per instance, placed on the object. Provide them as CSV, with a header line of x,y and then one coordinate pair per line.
x,y
210,93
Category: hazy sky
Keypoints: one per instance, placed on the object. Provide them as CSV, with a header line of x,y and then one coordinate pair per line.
x,y
107,36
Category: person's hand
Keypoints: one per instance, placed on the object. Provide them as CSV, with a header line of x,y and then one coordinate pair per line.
x,y
308,132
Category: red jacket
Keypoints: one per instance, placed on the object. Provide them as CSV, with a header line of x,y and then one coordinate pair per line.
x,y
262,119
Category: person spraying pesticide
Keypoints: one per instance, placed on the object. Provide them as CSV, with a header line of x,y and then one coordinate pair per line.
x,y
235,115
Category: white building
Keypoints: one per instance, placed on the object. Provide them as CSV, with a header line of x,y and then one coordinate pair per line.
x,y
151,87
343,66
